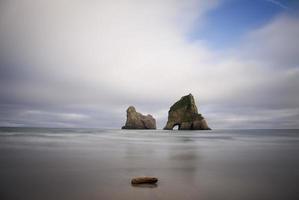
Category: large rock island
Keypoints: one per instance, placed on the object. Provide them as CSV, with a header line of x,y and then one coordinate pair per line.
x,y
136,120
184,113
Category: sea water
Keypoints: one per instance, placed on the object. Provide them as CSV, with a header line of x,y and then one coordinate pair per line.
x,y
95,164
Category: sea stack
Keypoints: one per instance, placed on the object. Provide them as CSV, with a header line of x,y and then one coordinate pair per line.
x,y
136,120
184,113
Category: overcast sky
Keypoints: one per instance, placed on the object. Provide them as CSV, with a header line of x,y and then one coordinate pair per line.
x,y
81,63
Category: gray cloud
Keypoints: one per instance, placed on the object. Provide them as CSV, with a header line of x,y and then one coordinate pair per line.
x,y
81,63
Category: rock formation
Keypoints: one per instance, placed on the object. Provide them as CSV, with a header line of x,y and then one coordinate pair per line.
x,y
184,114
136,120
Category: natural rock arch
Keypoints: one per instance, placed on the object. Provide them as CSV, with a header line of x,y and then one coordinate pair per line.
x,y
184,113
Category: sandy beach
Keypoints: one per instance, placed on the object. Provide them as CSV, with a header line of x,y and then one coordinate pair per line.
x,y
79,164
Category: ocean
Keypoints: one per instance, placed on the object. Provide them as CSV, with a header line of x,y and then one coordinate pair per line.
x,y
98,164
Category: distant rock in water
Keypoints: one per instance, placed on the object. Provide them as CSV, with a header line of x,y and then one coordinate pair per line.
x,y
184,114
136,120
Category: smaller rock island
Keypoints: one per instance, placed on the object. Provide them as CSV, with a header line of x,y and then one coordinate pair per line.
x,y
136,120
184,113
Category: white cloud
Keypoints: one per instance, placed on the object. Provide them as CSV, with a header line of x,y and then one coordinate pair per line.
x,y
129,47
94,58
278,3
275,44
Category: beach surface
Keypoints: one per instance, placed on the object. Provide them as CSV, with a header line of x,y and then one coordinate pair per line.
x,y
93,164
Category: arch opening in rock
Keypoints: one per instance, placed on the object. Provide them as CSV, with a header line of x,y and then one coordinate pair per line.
x,y
176,127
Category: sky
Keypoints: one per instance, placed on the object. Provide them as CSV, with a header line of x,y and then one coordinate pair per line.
x,y
66,63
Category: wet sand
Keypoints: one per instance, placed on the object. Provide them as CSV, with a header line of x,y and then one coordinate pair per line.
x,y
79,164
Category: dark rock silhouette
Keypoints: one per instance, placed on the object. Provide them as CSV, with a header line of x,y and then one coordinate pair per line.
x,y
184,114
136,120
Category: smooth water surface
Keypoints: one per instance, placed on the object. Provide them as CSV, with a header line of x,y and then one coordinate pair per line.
x,y
90,164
